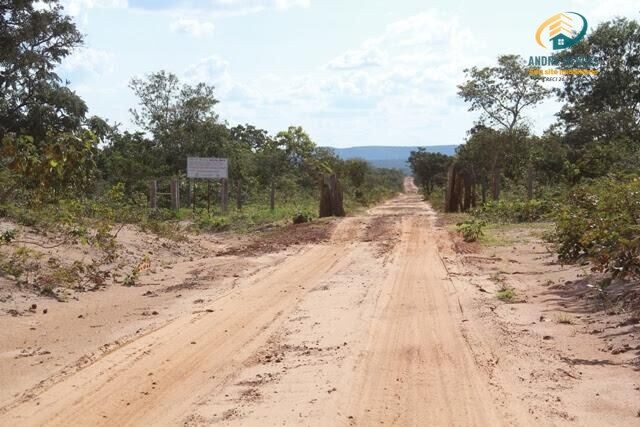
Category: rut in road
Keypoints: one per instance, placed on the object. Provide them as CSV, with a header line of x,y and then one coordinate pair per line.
x,y
156,378
417,369
363,338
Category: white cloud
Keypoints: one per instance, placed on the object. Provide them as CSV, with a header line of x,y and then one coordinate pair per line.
x,y
194,27
414,64
262,4
598,11
402,82
89,60
212,69
213,8
76,7
355,59
286,4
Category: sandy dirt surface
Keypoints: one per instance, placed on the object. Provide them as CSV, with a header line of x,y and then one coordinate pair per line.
x,y
377,319
558,349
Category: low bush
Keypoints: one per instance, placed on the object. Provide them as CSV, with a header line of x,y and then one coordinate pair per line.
x,y
514,211
7,237
471,229
212,223
506,293
301,217
436,198
601,223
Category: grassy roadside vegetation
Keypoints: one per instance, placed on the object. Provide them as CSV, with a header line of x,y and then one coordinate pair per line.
x,y
578,183
80,217
70,182
63,170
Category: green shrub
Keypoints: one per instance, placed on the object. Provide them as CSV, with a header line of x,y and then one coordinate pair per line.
x,y
162,214
601,223
471,229
22,261
436,199
513,211
506,293
7,236
212,223
301,217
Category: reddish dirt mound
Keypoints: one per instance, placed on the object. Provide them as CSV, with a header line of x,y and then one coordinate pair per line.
x,y
282,238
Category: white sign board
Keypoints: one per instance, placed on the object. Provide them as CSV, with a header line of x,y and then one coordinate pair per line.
x,y
207,167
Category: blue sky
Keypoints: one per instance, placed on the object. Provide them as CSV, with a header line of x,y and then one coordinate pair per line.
x,y
365,72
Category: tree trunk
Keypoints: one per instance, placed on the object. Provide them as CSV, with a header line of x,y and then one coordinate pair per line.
x,y
331,196
529,181
225,195
450,197
467,201
239,194
495,184
272,196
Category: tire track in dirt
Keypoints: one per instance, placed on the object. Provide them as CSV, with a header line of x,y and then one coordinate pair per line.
x,y
385,340
154,379
332,335
417,368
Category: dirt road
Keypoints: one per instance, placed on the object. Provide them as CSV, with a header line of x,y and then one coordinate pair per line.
x,y
364,329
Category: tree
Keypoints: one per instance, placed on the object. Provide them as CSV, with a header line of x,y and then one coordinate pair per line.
x,y
299,149
63,164
130,159
356,171
181,118
272,165
429,169
33,41
602,106
501,93
243,142
485,153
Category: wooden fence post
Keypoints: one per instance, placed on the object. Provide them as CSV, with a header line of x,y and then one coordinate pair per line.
x,y
193,195
209,197
153,194
175,194
224,195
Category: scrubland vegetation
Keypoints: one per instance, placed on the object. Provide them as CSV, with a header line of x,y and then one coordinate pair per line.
x,y
582,174
82,175
73,181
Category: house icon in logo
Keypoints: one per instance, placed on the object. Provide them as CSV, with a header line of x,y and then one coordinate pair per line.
x,y
560,41
561,32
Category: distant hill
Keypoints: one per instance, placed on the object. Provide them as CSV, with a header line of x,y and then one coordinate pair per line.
x,y
388,156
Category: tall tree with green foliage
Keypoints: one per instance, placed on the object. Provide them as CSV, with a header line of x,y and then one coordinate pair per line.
x,y
501,93
485,153
272,165
131,159
35,36
600,117
45,148
241,147
606,105
181,118
430,169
